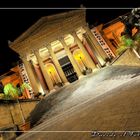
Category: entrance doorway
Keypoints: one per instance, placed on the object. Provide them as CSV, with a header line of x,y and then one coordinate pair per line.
x,y
68,69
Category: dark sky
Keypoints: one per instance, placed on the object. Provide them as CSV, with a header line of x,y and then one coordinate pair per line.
x,y
15,21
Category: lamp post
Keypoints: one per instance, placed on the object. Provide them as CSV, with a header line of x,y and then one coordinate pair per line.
x,y
82,62
53,79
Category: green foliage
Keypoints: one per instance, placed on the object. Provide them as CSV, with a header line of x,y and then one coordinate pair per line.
x,y
121,49
125,43
129,42
24,86
10,91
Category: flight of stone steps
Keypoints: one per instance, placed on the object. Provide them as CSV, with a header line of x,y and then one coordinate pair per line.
x,y
99,83
116,80
121,77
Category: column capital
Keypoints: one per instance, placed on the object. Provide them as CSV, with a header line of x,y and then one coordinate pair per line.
x,y
62,41
49,47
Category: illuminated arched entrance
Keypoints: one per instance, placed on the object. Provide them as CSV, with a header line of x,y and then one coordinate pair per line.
x,y
80,59
53,74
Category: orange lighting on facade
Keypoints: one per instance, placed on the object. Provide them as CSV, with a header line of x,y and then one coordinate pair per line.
x,y
78,55
51,69
53,73
80,59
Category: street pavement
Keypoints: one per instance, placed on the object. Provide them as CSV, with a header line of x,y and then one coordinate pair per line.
x,y
106,100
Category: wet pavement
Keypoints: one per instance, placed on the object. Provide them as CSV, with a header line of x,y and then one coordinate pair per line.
x,y
102,100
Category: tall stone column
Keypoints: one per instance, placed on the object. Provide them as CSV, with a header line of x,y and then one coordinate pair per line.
x,y
95,42
31,75
74,64
57,65
44,71
84,51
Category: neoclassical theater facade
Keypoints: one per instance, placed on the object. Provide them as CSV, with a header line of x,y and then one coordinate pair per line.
x,y
59,49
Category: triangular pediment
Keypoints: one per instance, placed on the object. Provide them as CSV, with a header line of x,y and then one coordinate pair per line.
x,y
47,22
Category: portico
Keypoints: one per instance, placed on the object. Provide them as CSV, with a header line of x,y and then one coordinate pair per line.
x,y
54,53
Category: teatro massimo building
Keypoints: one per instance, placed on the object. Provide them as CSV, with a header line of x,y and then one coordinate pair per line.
x,y
60,49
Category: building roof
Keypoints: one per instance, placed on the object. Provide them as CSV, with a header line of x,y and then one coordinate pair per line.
x,y
114,21
6,74
41,24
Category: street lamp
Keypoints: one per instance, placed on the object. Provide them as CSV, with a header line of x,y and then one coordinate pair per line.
x,y
82,61
53,79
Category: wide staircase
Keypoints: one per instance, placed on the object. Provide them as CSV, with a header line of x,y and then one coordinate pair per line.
x,y
62,100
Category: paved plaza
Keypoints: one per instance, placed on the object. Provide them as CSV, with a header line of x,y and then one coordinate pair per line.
x,y
106,100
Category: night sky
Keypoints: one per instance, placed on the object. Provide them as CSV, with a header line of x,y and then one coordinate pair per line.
x,y
13,22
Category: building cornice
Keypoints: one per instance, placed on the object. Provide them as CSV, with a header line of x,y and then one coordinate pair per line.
x,y
57,25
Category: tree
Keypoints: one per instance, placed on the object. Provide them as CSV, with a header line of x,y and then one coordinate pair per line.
x,y
12,92
125,43
128,39
23,88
